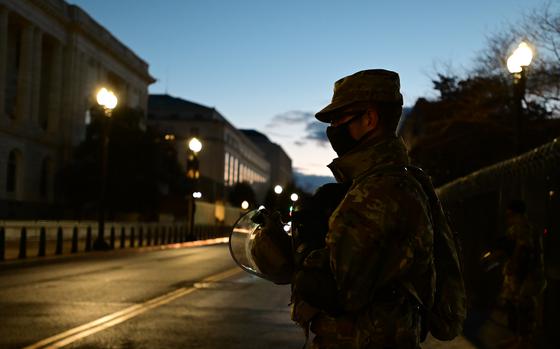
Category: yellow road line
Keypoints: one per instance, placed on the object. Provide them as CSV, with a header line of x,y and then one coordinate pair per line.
x,y
62,339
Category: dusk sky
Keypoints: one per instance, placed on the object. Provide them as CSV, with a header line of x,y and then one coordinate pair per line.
x,y
270,65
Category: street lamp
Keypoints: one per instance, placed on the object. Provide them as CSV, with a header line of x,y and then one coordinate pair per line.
x,y
245,204
517,63
278,189
107,101
194,146
294,197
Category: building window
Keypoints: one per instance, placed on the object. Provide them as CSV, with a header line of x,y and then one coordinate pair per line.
x,y
46,82
14,161
231,163
226,169
12,68
236,171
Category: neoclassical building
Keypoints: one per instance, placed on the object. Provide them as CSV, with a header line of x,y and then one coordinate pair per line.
x,y
53,58
228,157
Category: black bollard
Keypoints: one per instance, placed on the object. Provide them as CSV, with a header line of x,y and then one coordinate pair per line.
x,y
175,235
132,237
42,242
59,240
74,240
170,235
162,241
2,243
123,237
23,243
148,237
88,239
140,237
112,238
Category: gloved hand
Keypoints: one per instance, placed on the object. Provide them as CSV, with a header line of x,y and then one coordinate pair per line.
x,y
315,283
271,248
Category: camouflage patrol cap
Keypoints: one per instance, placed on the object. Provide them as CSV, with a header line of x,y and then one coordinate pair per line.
x,y
353,93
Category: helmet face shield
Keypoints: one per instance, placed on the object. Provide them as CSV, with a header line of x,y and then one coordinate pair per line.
x,y
261,247
241,242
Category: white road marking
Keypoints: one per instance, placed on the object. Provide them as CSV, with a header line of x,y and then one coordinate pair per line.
x,y
62,339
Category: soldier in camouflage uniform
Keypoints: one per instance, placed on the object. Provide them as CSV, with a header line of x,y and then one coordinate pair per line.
x,y
523,272
379,246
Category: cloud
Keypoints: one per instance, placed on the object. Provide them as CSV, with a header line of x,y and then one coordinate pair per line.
x,y
316,131
290,117
313,130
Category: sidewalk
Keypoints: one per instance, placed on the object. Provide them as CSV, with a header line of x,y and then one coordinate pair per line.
x,y
489,331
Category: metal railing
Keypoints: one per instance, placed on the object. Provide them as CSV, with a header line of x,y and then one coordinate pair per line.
x,y
22,239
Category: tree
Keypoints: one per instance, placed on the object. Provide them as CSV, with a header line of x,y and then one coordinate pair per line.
x,y
470,126
242,192
142,168
541,28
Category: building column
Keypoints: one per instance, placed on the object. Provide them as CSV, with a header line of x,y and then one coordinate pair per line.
x,y
55,95
36,74
3,56
25,78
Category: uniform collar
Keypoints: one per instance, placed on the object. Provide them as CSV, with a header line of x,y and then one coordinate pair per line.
x,y
370,155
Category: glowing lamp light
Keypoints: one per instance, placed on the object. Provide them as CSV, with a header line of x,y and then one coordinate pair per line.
x,y
197,195
278,189
261,207
288,227
106,98
521,57
245,205
195,145
294,197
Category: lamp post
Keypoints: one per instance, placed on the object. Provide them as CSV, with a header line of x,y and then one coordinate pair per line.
x,y
193,173
107,101
276,198
517,63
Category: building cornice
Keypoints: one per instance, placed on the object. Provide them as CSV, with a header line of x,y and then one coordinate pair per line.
x,y
77,20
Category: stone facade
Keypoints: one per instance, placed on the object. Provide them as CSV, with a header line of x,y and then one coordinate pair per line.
x,y
280,163
53,58
228,156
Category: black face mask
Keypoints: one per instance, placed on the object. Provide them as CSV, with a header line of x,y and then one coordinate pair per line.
x,y
340,138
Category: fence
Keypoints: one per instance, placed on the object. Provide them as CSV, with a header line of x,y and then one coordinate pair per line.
x,y
476,205
21,239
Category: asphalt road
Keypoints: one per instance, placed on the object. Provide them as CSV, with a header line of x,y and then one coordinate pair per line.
x,y
174,298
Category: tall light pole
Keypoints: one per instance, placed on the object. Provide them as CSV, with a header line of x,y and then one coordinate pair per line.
x,y
517,63
107,101
194,146
276,198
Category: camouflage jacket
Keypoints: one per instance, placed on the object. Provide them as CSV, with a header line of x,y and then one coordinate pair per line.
x,y
380,242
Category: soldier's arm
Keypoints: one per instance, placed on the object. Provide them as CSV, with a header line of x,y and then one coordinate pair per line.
x,y
368,249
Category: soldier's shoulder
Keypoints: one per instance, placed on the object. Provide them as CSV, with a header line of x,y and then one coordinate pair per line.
x,y
400,185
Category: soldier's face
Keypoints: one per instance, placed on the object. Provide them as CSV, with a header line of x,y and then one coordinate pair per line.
x,y
359,125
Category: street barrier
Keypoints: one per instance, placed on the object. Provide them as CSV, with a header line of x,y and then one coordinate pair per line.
x,y
74,240
52,238
2,243
42,242
59,240
23,243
